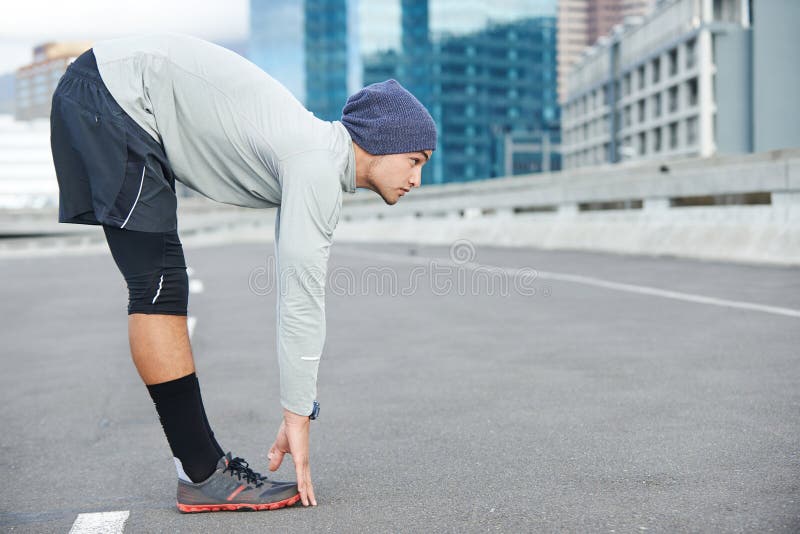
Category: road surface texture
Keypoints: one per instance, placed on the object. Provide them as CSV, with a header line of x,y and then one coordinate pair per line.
x,y
596,393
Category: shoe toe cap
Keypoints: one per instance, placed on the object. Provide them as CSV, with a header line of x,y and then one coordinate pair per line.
x,y
278,491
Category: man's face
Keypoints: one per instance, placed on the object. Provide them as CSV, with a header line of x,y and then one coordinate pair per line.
x,y
393,175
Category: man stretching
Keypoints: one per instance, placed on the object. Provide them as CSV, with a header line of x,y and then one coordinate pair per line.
x,y
133,115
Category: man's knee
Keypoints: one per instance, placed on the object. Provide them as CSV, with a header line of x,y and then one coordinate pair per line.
x,y
154,269
162,292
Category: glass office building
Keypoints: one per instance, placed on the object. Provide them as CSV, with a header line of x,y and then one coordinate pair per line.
x,y
485,70
276,42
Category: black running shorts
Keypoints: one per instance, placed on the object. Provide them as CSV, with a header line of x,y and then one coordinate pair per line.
x,y
110,171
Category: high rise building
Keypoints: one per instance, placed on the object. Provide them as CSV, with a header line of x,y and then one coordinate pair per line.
x,y
484,70
694,78
276,42
326,33
484,83
774,79
582,22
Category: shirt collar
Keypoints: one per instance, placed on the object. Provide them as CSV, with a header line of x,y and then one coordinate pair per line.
x,y
348,177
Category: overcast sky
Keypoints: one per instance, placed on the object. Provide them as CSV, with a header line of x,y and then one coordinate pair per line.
x,y
26,23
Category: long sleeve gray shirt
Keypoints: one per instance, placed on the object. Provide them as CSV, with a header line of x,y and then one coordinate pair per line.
x,y
236,135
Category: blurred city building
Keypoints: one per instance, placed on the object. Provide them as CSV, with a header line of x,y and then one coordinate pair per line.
x,y
27,176
694,78
485,70
35,83
582,22
330,40
276,42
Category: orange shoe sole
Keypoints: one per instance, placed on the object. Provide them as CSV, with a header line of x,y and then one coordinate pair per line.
x,y
196,508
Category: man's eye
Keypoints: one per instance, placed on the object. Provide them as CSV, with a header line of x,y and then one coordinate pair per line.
x,y
415,161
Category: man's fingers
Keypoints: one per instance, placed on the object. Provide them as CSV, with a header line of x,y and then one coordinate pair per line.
x,y
275,458
311,497
307,495
304,485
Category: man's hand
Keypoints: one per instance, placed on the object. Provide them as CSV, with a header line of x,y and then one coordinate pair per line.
x,y
293,439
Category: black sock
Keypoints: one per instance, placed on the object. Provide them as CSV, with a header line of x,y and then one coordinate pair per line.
x,y
217,448
183,418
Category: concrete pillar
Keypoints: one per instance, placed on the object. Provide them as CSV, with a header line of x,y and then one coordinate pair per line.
x,y
705,94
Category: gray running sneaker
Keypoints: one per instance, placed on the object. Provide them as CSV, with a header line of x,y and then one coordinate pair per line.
x,y
235,486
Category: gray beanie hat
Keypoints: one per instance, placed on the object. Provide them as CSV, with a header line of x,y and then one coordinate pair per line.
x,y
384,118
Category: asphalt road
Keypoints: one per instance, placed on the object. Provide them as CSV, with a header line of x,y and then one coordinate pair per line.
x,y
568,403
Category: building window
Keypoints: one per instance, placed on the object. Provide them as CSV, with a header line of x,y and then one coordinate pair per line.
x,y
690,53
657,140
642,143
641,110
657,105
640,75
673,62
626,84
691,86
673,99
691,131
656,70
673,135
627,115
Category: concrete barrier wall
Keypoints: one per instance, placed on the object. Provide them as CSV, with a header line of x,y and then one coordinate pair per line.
x,y
549,211
558,210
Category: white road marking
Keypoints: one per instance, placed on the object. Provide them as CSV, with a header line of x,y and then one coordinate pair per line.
x,y
100,523
196,286
191,322
587,280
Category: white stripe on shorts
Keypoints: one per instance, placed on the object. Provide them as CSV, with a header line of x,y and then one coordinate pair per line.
x,y
141,183
160,283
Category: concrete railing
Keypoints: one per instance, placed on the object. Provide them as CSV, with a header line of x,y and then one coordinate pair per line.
x,y
734,208
25,232
742,208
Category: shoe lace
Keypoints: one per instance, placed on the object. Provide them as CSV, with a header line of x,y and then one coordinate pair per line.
x,y
240,468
